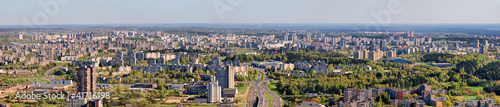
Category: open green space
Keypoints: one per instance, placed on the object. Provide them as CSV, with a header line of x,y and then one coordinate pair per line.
x,y
476,88
272,87
243,88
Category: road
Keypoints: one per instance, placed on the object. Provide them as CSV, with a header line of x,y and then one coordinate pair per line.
x,y
259,90
49,72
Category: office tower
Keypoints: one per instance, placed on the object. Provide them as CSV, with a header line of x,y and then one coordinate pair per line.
x,y
411,34
308,37
343,43
391,54
21,35
383,43
375,55
484,48
285,37
159,33
358,55
327,40
294,37
226,77
214,92
477,44
365,54
417,42
387,31
86,79
349,94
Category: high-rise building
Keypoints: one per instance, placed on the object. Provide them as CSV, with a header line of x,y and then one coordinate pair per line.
x,y
327,40
361,54
294,37
214,92
391,54
484,48
477,44
375,55
21,35
349,94
308,37
486,43
285,37
159,33
358,55
429,41
86,79
226,77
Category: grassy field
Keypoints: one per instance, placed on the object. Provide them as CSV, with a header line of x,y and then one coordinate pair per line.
x,y
269,98
269,105
242,89
476,88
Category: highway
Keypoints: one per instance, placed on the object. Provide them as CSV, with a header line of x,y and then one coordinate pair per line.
x,y
259,90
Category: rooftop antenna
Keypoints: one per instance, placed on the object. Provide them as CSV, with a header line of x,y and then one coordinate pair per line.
x,y
387,31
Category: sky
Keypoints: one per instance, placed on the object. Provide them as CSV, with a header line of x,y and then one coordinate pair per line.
x,y
50,12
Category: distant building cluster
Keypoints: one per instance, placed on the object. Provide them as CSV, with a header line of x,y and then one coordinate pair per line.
x,y
365,98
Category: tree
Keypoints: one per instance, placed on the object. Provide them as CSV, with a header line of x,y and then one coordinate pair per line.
x,y
119,89
163,94
448,104
41,101
313,72
384,97
315,100
480,97
197,77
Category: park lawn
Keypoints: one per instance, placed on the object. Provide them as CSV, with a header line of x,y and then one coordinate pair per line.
x,y
467,97
476,88
269,98
242,89
269,105
446,84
